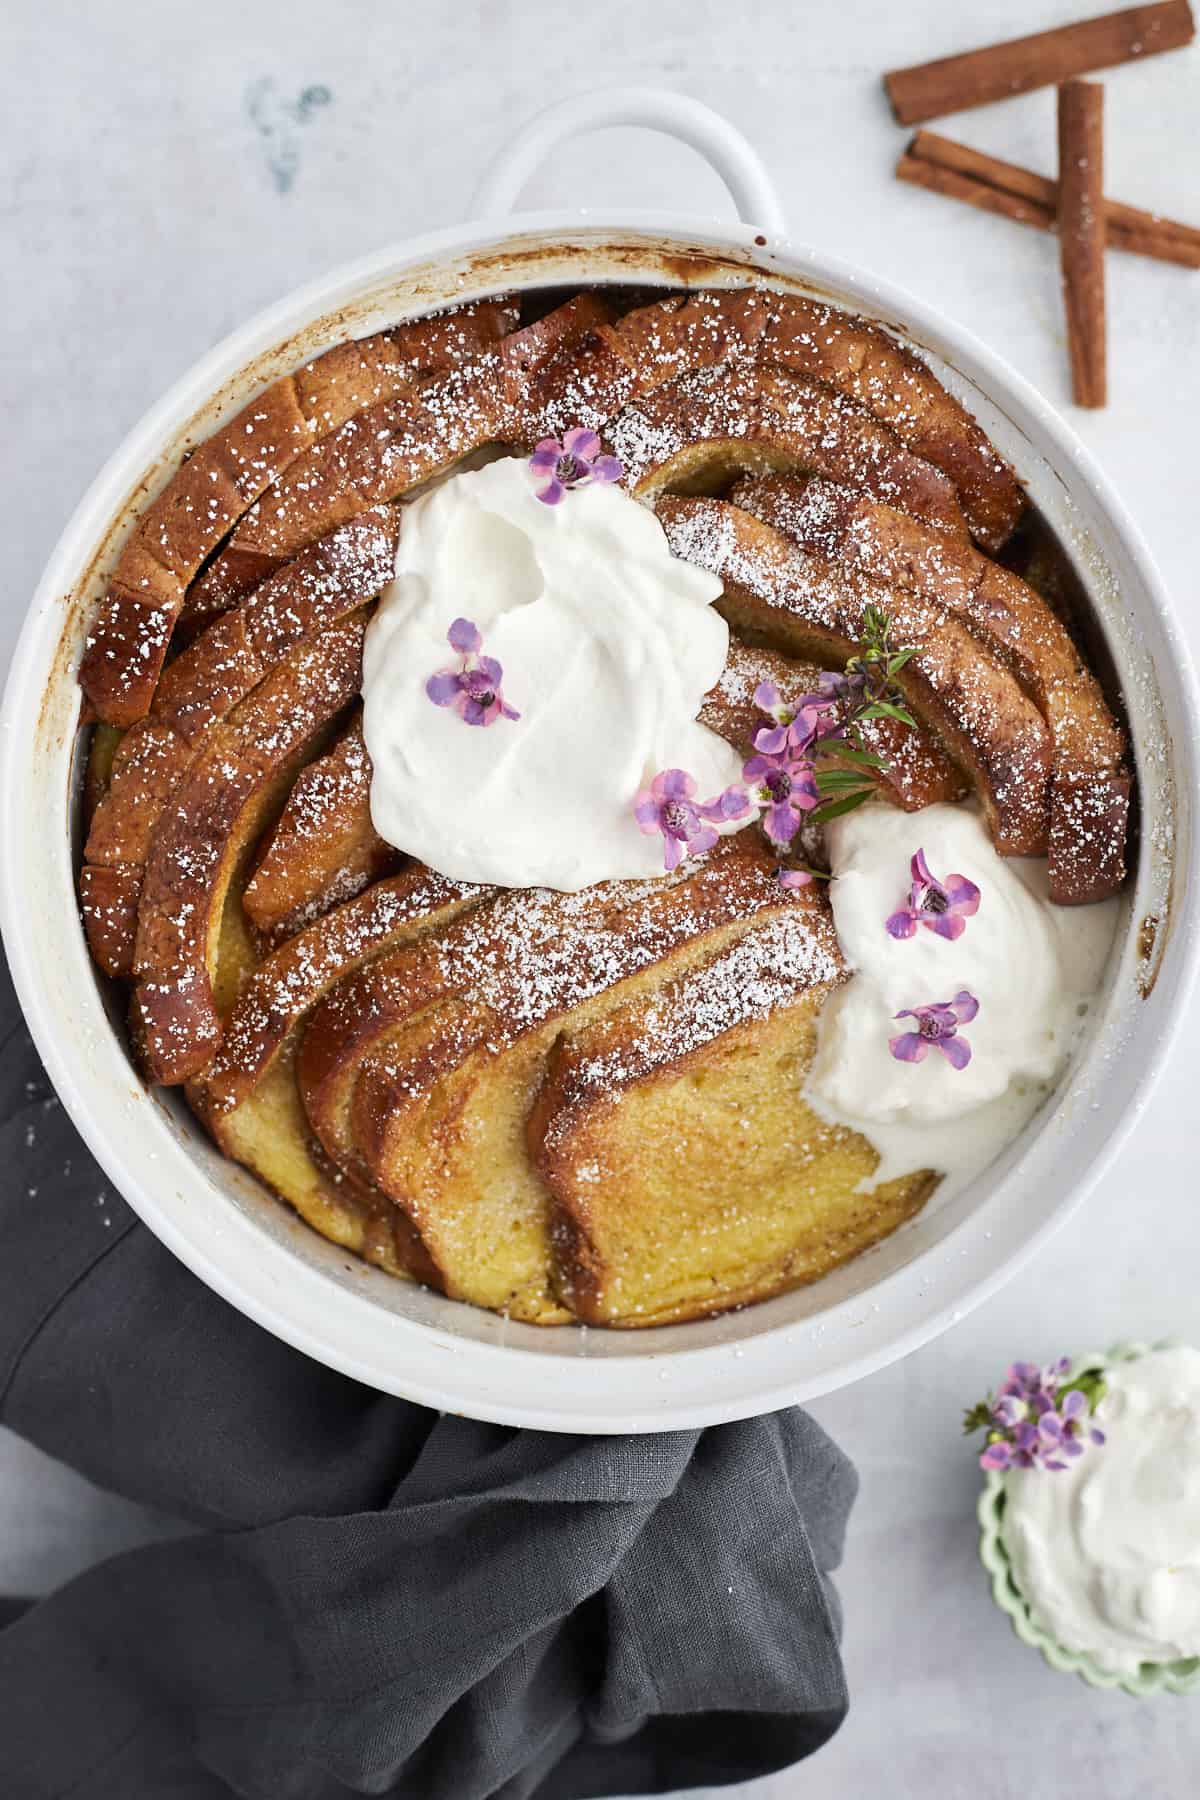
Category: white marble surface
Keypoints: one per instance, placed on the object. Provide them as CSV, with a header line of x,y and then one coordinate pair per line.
x,y
158,184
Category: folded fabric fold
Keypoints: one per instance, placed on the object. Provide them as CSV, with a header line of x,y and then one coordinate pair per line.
x,y
381,1600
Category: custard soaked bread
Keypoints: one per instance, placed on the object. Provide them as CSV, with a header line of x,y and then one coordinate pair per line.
x,y
324,846
685,1173
419,1075
247,1095
563,1105
451,1150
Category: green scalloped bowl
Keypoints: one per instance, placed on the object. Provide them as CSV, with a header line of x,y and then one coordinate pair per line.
x,y
1152,1678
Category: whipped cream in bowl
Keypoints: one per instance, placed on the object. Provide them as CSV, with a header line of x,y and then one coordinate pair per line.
x,y
607,644
1106,1552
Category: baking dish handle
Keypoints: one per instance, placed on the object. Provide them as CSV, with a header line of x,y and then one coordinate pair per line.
x,y
657,109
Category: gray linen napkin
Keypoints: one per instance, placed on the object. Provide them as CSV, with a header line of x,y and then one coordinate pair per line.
x,y
378,1599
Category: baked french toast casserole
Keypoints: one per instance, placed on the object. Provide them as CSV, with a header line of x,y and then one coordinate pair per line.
x,y
601,800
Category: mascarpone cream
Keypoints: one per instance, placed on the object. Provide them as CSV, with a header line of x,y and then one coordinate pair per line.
x,y
1106,1553
608,644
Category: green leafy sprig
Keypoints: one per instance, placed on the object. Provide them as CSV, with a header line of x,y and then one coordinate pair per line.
x,y
868,691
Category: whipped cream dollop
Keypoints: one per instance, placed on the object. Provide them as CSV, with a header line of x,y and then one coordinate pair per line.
x,y
1032,967
608,644
1106,1553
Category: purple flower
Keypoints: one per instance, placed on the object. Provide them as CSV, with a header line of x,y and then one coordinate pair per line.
x,y
941,906
1033,1423
845,688
473,689
783,778
1063,1429
997,1455
669,805
798,724
794,878
569,462
1030,1378
937,1028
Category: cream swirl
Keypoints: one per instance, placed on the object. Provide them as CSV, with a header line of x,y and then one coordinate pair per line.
x,y
608,644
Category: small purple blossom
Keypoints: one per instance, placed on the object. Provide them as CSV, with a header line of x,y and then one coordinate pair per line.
x,y
941,906
783,780
1034,1422
569,462
937,1029
473,689
669,806
794,878
842,687
798,724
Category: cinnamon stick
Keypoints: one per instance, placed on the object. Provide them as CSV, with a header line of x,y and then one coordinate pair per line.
x,y
1043,60
1081,235
960,173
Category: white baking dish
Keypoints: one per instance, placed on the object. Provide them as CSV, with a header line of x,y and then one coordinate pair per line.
x,y
397,1337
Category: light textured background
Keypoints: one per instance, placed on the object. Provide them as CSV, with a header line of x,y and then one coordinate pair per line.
x,y
162,177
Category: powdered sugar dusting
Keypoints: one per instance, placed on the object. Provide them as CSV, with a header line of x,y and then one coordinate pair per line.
x,y
767,969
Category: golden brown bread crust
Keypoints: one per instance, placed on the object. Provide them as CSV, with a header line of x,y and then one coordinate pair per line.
x,y
511,378
993,731
286,986
1011,620
1089,824
660,342
686,333
230,791
695,434
407,438
222,583
146,768
375,456
202,687
429,1006
1008,617
226,474
416,998
524,354
323,848
916,772
680,1157
108,902
369,1009
345,1029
